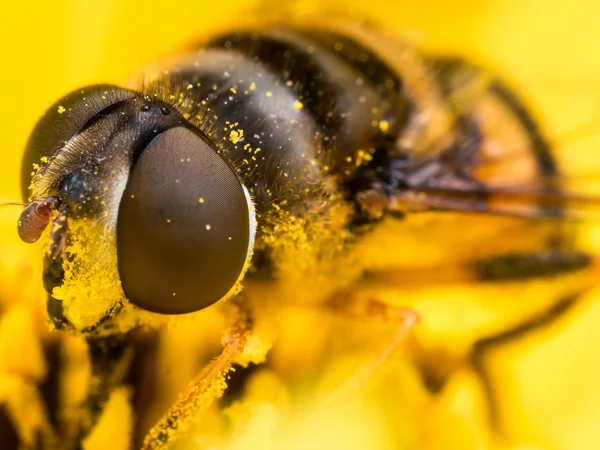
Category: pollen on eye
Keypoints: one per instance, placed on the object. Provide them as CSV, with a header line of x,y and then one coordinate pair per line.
x,y
201,200
61,109
384,126
168,220
236,136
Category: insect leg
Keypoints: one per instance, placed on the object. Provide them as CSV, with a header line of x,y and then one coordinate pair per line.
x,y
354,307
497,269
110,357
22,403
8,434
26,409
483,346
500,268
516,267
204,389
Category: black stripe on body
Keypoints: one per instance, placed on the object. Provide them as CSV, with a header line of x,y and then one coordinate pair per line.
x,y
308,107
290,59
346,101
539,145
250,116
445,69
545,264
372,70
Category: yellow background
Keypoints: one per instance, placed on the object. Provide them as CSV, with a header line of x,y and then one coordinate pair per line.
x,y
549,49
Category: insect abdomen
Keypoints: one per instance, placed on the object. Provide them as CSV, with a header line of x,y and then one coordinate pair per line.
x,y
289,107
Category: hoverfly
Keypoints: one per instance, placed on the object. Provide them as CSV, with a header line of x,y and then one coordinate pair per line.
x,y
264,168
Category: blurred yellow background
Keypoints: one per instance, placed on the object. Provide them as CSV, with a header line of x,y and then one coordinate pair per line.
x,y
549,50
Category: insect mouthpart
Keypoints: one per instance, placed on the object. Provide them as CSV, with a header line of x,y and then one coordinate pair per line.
x,y
35,218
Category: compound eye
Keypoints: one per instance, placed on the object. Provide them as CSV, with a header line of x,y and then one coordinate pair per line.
x,y
65,119
184,226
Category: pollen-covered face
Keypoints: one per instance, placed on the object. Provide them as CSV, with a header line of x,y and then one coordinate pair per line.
x,y
135,205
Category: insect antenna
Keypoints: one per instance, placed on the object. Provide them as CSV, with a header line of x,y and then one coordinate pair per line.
x,y
536,193
528,202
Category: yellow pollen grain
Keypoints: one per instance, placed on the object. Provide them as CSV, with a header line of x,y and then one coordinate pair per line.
x,y
44,159
298,105
168,220
236,135
384,126
61,109
233,90
201,200
252,86
269,94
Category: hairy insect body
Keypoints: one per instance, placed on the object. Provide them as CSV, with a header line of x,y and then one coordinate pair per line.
x,y
314,121
323,132
286,162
